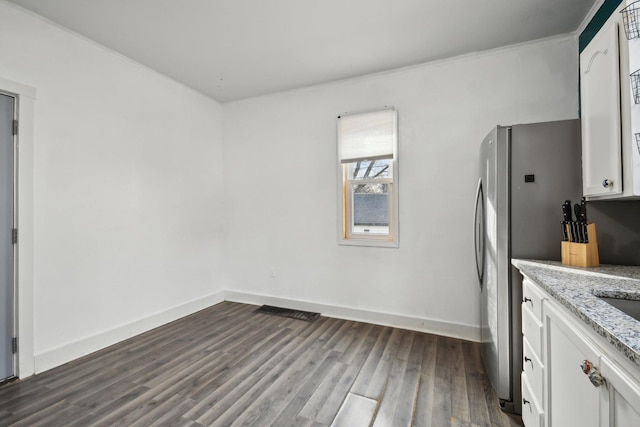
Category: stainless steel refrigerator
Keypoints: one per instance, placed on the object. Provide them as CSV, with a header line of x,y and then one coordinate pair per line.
x,y
526,173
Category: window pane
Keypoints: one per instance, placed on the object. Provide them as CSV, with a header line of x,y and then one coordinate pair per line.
x,y
370,169
371,208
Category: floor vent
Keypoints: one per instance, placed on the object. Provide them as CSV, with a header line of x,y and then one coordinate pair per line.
x,y
286,312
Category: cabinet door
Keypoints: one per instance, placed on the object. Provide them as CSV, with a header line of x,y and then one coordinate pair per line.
x,y
624,395
572,399
600,114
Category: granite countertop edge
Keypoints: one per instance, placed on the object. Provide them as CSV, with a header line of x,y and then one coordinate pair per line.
x,y
578,290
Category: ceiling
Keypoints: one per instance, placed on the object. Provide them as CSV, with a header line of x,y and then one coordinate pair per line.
x,y
235,49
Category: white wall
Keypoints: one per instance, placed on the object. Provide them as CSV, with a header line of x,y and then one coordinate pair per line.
x,y
280,157
134,226
127,190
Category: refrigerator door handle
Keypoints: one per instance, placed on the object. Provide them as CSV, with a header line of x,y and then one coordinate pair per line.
x,y
478,232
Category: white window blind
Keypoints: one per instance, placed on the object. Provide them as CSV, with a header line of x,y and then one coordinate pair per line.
x,y
367,136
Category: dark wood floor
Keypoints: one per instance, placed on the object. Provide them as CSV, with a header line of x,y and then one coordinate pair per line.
x,y
227,365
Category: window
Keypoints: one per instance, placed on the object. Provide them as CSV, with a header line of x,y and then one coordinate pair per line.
x,y
367,165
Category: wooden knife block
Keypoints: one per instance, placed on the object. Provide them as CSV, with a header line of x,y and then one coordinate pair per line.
x,y
582,254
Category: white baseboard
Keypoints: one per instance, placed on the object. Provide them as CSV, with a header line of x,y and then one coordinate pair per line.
x,y
438,327
68,352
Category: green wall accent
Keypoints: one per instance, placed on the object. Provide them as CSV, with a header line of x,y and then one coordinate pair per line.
x,y
601,16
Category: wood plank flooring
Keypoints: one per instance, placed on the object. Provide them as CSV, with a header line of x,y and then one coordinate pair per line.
x,y
229,366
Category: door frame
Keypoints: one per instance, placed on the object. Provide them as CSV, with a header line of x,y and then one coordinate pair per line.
x,y
14,191
23,208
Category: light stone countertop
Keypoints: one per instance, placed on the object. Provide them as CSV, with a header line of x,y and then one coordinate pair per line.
x,y
578,290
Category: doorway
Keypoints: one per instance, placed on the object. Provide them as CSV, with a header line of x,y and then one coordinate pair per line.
x,y
7,236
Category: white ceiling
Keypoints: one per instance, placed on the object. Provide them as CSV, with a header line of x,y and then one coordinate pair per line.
x,y
235,49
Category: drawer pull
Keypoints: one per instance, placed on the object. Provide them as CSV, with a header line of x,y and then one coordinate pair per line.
x,y
526,359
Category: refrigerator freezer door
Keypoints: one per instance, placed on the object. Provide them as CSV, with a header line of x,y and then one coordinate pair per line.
x,y
551,151
495,297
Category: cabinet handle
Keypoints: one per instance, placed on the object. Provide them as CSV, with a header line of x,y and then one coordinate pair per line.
x,y
526,300
586,366
595,377
593,57
606,183
525,401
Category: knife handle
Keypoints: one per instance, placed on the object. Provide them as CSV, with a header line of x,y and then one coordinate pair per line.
x,y
565,232
572,232
566,211
583,211
575,232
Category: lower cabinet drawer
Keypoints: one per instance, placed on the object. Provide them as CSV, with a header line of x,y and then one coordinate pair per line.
x,y
532,298
533,369
532,329
532,415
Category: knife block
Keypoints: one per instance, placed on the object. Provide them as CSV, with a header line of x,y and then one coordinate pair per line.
x,y
582,254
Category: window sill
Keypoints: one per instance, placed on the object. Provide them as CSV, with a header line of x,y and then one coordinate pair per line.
x,y
369,243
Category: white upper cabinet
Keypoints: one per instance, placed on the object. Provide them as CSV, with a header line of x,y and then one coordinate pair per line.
x,y
631,106
609,113
600,111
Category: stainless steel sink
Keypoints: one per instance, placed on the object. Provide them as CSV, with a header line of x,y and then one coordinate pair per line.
x,y
628,306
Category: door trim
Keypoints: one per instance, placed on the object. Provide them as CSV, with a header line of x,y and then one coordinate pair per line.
x,y
13,99
23,274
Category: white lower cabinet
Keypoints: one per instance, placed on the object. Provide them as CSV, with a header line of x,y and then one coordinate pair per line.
x,y
532,415
555,388
532,365
572,399
624,395
533,369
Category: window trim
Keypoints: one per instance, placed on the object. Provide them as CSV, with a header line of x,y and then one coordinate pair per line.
x,y
347,237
